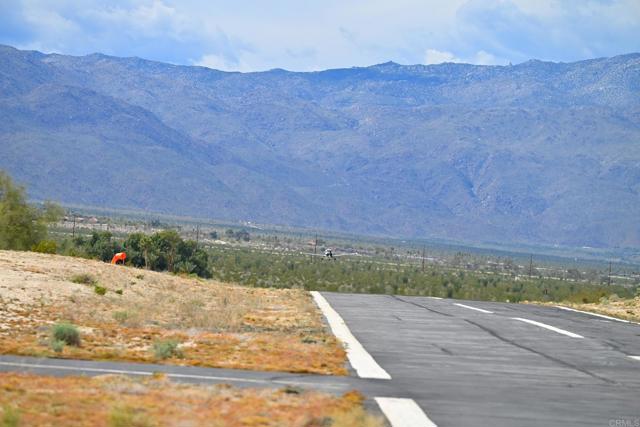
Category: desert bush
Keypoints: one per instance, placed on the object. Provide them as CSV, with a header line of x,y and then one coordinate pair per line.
x,y
100,290
166,349
66,333
10,417
56,345
124,416
121,316
84,279
45,247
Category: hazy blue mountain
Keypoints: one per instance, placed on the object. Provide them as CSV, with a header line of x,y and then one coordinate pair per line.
x,y
537,152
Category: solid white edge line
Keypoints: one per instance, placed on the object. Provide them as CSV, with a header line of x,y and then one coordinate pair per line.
x,y
403,412
592,314
635,357
125,372
549,327
473,308
435,297
364,364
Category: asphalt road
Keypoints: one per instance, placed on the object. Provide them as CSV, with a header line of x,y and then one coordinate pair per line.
x,y
488,368
195,375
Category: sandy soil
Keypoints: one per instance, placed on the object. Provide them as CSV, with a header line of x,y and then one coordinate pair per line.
x,y
628,309
215,324
115,401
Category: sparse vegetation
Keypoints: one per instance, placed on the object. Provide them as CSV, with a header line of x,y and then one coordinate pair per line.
x,y
217,324
10,417
117,401
100,290
66,333
166,349
84,279
57,345
126,416
263,269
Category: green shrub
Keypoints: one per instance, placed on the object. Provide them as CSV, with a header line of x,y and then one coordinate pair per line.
x,y
124,416
45,247
84,279
10,417
121,316
100,290
57,345
67,333
166,349
119,291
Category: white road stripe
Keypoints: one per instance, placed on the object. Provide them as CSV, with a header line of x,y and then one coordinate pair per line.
x,y
125,372
403,412
360,359
434,297
635,357
549,327
593,314
473,308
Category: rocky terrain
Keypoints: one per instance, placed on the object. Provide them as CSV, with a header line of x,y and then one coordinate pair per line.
x,y
537,152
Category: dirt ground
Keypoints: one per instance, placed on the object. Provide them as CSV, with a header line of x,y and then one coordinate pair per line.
x,y
116,401
628,309
214,324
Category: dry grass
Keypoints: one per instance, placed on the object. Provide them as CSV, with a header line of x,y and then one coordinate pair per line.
x,y
216,324
628,309
116,401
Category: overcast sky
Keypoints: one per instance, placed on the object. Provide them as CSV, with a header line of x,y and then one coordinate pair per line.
x,y
302,35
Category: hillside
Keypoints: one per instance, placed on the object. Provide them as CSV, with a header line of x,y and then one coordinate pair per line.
x,y
126,314
537,152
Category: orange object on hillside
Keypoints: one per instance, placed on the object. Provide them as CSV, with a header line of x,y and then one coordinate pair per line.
x,y
120,256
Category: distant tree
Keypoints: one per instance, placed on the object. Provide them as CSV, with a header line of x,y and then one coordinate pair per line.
x,y
22,226
134,249
166,243
146,246
101,246
213,234
242,235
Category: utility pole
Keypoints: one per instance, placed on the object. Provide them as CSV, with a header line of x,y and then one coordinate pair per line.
x,y
609,273
197,235
423,250
73,230
530,266
315,244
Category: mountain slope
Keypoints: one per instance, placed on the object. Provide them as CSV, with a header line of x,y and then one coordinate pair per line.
x,y
538,152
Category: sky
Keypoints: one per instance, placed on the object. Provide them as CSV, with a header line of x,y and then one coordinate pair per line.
x,y
306,35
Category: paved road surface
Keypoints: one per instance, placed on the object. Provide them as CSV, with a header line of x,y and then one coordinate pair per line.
x,y
466,367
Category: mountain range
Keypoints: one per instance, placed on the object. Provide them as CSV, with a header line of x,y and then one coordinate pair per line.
x,y
536,153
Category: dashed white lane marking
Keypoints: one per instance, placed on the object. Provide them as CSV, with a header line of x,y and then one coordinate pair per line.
x,y
473,308
593,314
364,364
434,297
635,357
403,412
549,327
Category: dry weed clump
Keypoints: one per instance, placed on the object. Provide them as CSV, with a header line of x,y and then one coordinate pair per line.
x,y
215,324
117,401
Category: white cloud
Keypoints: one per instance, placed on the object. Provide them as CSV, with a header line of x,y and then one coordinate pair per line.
x,y
485,58
254,35
433,56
